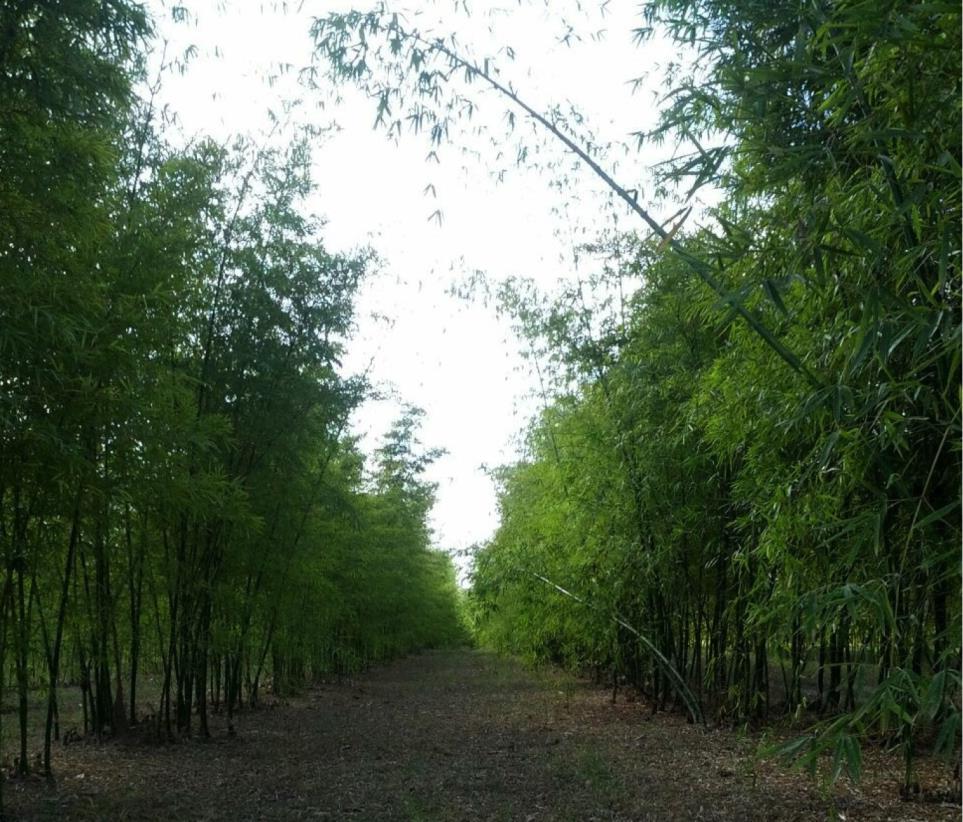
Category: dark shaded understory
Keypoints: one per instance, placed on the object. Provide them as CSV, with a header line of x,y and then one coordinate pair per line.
x,y
460,735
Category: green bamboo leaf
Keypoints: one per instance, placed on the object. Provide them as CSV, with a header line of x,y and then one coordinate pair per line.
x,y
948,734
772,292
938,515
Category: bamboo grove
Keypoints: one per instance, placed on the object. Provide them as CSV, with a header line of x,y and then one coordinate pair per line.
x,y
743,489
184,517
787,538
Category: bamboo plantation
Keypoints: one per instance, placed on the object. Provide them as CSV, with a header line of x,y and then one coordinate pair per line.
x,y
750,492
179,493
742,493
740,497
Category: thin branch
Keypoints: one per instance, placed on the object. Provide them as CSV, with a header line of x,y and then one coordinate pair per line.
x,y
702,269
684,691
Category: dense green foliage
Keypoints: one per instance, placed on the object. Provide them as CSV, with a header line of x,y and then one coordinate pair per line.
x,y
742,493
178,492
787,539
752,460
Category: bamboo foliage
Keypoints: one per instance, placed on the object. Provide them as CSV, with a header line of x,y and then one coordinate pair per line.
x,y
787,537
184,519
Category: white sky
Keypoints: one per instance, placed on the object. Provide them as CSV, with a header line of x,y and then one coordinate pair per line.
x,y
452,358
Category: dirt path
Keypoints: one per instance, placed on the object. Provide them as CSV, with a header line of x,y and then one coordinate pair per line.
x,y
450,736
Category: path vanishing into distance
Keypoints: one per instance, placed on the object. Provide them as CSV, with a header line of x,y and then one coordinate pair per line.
x,y
453,735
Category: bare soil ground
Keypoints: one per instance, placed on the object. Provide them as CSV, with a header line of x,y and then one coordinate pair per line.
x,y
460,735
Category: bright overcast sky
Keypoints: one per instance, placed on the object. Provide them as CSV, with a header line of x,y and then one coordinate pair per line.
x,y
452,358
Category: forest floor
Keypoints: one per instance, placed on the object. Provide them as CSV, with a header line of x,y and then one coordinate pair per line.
x,y
460,735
